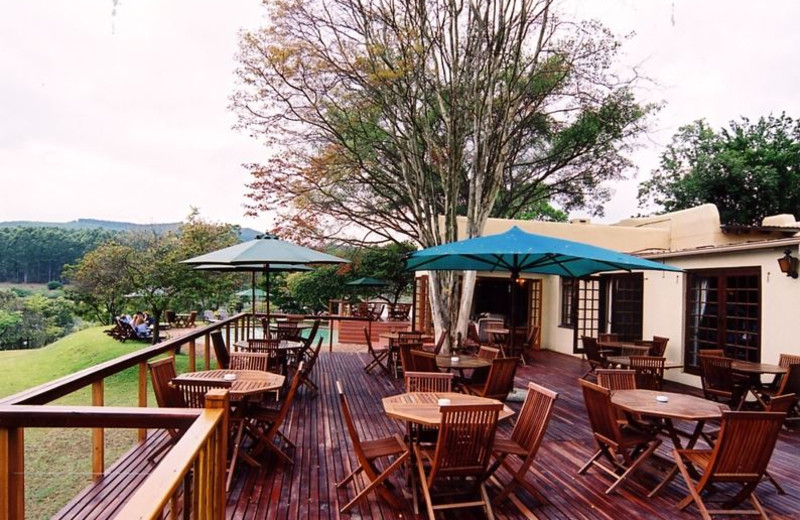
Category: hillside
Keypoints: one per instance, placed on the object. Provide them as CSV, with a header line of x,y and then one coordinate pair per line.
x,y
90,223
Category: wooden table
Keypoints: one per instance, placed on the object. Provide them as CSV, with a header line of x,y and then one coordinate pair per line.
x,y
464,362
624,345
625,361
423,407
679,406
392,337
247,382
182,320
286,345
753,371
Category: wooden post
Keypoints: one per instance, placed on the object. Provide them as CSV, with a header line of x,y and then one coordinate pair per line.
x,y
219,399
193,356
12,473
98,435
207,346
142,435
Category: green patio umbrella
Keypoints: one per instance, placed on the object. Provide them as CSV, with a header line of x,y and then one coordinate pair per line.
x,y
268,253
368,282
517,251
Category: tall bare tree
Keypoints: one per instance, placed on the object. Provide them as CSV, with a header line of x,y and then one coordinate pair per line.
x,y
399,115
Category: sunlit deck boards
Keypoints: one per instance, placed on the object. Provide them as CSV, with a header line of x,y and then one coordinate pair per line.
x,y
306,489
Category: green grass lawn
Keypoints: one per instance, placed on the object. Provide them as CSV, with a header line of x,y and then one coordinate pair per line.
x,y
58,461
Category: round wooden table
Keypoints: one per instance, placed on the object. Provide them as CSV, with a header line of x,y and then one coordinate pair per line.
x,y
247,382
423,407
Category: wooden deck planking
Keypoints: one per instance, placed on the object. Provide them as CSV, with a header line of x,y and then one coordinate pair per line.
x,y
324,456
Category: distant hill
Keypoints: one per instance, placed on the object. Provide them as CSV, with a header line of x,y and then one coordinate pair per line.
x,y
90,223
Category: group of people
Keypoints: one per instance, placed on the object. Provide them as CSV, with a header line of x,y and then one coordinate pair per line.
x,y
140,321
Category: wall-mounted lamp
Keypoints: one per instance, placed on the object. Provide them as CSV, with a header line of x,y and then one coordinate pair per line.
x,y
788,264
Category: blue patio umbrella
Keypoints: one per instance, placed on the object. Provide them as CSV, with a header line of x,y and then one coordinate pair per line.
x,y
517,252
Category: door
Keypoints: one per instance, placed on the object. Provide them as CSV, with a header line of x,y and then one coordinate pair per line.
x,y
625,305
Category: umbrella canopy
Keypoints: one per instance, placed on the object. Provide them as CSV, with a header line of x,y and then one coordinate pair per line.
x,y
368,282
517,252
246,293
268,252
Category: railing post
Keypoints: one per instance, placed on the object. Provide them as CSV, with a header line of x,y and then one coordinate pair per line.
x,y
216,399
193,356
98,435
12,473
142,435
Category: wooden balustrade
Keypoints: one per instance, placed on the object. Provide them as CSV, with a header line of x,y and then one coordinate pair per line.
x,y
11,438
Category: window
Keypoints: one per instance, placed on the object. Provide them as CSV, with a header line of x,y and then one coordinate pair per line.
x,y
723,311
567,301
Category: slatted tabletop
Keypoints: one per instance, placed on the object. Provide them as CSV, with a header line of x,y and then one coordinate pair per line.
x,y
677,406
247,382
424,407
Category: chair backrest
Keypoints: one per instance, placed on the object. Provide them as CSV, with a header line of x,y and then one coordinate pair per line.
x,y
466,437
649,371
716,374
406,361
607,336
712,352
659,346
423,361
194,390
786,360
440,342
312,360
616,379
744,446
351,426
533,418
249,361
370,348
270,347
790,382
500,380
602,415
488,353
220,349
490,323
191,319
472,332
169,316
591,350
286,405
161,374
409,336
312,334
532,341
287,330
428,382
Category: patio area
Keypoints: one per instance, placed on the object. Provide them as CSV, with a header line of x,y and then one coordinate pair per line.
x,y
324,456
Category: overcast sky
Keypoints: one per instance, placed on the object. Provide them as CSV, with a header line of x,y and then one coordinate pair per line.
x,y
120,113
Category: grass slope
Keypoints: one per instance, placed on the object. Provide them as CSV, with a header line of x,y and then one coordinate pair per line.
x,y
58,460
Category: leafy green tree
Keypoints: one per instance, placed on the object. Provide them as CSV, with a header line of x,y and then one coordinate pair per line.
x,y
98,282
33,321
386,263
391,114
749,170
311,291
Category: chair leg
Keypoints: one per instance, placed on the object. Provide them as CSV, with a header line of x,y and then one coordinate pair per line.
x,y
774,482
633,467
378,481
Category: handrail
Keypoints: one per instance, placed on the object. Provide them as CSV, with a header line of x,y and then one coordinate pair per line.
x,y
35,416
52,390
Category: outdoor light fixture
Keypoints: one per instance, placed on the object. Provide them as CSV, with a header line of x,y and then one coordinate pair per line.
x,y
788,264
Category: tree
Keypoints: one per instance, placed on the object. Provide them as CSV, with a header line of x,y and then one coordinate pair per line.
x,y
98,282
386,263
388,115
749,170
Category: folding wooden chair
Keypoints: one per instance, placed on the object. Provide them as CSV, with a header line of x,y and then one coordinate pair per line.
x,y
740,456
649,371
458,462
220,349
423,361
440,342
616,379
480,374
593,355
659,346
308,367
625,447
499,382
719,382
270,347
526,437
367,452
249,361
268,422
379,356
428,382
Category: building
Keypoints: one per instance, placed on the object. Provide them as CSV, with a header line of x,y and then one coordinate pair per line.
x,y
732,294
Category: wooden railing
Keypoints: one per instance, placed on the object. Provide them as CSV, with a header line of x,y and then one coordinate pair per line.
x,y
234,328
205,439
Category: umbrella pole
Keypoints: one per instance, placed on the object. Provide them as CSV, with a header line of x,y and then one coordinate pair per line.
x,y
512,330
253,303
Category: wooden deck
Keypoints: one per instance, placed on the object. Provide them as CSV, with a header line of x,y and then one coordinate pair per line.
x,y
306,489
323,456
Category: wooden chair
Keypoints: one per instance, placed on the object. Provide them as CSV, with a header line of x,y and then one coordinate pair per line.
x,y
616,379
785,361
308,368
459,460
480,374
409,336
649,371
379,356
718,381
593,356
406,361
190,321
607,336
712,352
220,349
740,456
270,347
625,447
659,346
440,342
308,344
269,421
249,361
428,382
526,437
424,361
499,382
367,452
789,385
287,330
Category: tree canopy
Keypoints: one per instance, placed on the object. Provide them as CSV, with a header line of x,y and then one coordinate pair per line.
x,y
388,115
748,170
